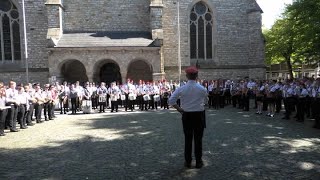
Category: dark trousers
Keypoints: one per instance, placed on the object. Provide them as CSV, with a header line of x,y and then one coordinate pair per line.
x,y
38,110
317,113
52,109
140,102
210,101
278,104
3,115
29,114
300,109
12,116
193,127
165,103
151,102
245,102
94,101
73,105
47,110
64,106
114,106
21,115
234,100
102,106
288,105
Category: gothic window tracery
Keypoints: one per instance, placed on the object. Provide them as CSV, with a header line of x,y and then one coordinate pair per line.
x,y
10,49
201,36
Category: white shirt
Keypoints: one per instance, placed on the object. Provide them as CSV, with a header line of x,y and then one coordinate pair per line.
x,y
11,95
192,96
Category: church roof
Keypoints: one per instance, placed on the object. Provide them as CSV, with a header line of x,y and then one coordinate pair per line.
x,y
106,39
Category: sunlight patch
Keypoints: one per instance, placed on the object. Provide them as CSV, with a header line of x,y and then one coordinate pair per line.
x,y
246,174
306,166
144,133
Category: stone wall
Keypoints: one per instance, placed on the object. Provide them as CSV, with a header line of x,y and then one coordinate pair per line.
x,y
237,33
106,15
212,74
37,26
20,77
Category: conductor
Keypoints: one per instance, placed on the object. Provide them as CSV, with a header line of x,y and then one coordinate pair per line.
x,y
192,97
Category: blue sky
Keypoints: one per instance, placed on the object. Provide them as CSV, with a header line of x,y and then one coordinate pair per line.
x,y
272,10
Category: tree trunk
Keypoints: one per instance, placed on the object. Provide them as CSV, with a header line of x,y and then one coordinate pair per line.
x,y
289,65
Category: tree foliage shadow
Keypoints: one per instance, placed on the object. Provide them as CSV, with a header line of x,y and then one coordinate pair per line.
x,y
149,145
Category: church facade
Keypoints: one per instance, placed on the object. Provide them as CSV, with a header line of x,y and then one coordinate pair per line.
x,y
111,40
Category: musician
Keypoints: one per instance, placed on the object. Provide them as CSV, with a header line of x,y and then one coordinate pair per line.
x,y
155,96
102,93
140,93
259,92
245,98
94,96
22,102
210,92
316,94
3,109
234,94
47,96
227,91
63,99
73,95
87,98
31,101
271,95
165,95
80,95
125,92
55,99
39,102
289,100
193,97
301,102
132,95
114,92
11,100
146,96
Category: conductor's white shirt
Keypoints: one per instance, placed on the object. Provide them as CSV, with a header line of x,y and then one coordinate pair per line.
x,y
192,96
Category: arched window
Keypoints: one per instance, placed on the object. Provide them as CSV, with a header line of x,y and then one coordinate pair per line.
x,y
10,49
201,36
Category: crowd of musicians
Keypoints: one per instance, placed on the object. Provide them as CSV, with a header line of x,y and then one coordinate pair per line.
x,y
26,103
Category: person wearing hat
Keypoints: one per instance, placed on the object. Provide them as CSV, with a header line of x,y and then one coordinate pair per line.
x,y
193,97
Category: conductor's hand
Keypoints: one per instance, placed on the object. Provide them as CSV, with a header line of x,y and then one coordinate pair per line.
x,y
181,111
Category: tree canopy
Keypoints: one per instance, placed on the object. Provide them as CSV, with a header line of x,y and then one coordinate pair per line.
x,y
296,36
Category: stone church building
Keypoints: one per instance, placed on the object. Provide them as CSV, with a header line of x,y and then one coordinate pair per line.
x,y
111,40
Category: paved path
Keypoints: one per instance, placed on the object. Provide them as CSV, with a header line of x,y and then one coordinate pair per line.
x,y
149,145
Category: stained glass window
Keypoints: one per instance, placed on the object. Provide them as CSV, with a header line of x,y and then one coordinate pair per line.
x,y
201,36
10,47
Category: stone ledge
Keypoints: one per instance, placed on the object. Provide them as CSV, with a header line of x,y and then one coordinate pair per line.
x,y
16,70
54,2
156,4
235,67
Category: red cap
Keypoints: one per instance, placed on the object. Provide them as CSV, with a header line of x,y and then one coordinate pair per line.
x,y
191,70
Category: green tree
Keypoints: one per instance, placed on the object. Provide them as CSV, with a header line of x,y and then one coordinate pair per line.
x,y
306,17
296,37
280,43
